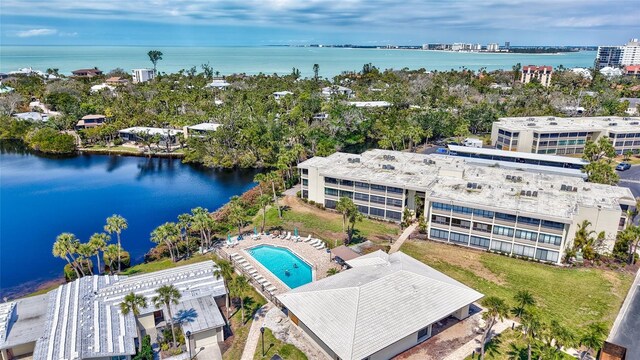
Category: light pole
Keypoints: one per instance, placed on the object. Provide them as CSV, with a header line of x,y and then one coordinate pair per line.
x,y
188,333
262,332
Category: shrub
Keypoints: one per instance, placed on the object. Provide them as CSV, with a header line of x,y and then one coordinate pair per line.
x,y
146,352
48,140
70,274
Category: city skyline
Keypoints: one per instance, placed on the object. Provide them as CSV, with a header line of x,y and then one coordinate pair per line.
x,y
251,23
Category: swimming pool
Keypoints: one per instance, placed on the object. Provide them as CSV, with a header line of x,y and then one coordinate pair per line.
x,y
284,264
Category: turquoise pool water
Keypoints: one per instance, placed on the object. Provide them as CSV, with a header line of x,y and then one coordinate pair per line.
x,y
284,264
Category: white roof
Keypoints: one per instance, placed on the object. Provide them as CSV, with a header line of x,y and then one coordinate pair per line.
x,y
31,115
282,93
205,127
150,131
517,154
218,83
370,103
569,124
360,311
96,88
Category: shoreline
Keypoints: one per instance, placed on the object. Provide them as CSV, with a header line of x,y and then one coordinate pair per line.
x,y
120,152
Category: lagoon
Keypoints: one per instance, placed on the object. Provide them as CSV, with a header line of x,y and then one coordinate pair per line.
x,y
41,197
270,59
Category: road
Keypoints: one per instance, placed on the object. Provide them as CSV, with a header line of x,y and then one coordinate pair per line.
x,y
626,328
631,179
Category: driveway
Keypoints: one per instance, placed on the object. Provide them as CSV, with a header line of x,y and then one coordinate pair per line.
x,y
626,328
631,179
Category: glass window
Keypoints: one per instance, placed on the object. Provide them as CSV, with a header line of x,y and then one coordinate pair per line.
x,y
330,180
378,187
506,217
394,202
439,234
547,255
441,206
329,204
305,171
422,334
461,223
361,196
395,215
459,238
522,250
440,219
481,227
479,241
501,230
305,194
461,209
550,239
552,224
501,246
305,182
528,221
361,185
526,235
346,182
330,191
363,209
483,213
376,212
394,190
377,199
348,194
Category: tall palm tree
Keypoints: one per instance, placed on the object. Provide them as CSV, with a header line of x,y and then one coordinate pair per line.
x,y
132,303
98,242
237,213
167,233
155,56
116,224
594,337
63,248
523,299
225,271
561,335
495,309
240,287
110,255
85,251
184,223
165,296
260,178
203,223
273,177
264,201
531,325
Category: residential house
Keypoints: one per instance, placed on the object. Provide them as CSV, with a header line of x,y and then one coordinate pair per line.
x,y
632,70
634,106
201,130
143,75
540,73
100,87
138,133
281,94
87,73
219,84
337,90
90,121
116,80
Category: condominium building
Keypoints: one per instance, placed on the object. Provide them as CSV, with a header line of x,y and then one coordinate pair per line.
x,y
564,136
618,56
541,73
83,320
143,75
492,207
493,47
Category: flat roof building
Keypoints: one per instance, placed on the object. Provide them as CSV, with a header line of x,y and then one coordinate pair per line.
x,y
142,75
136,134
90,121
82,319
468,203
618,56
337,90
201,129
369,104
564,136
542,74
388,304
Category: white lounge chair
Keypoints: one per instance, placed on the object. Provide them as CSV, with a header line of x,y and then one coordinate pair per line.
x,y
308,238
314,242
288,237
271,288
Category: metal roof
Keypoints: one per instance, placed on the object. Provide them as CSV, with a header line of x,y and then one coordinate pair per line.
x,y
199,314
378,304
345,253
25,323
205,126
515,155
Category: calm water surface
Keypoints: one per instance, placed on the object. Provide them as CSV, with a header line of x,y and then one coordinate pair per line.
x,y
41,197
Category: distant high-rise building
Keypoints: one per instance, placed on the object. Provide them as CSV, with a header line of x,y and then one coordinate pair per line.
x,y
493,47
618,56
540,73
507,45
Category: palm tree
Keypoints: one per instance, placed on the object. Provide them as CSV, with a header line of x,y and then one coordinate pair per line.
x,y
110,255
203,223
155,56
241,286
167,233
132,303
264,201
260,178
316,69
350,215
523,299
273,177
332,271
531,325
594,337
225,271
495,309
184,223
561,335
98,242
115,224
86,252
64,247
237,213
167,295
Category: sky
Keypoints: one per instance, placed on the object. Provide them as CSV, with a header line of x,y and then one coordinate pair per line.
x,y
302,22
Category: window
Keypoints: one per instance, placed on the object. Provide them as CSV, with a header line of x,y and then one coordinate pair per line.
x,y
305,194
329,180
483,213
329,204
305,171
395,215
363,209
550,239
440,219
377,199
361,185
526,235
479,241
528,221
504,231
515,134
394,190
423,333
361,196
441,206
501,246
378,187
522,250
505,217
376,212
346,182
552,225
394,202
481,227
462,209
305,182
348,194
459,238
330,191
461,223
547,255
439,234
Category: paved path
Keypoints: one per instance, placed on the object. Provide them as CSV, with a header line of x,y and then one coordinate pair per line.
x,y
404,236
254,333
626,328
474,345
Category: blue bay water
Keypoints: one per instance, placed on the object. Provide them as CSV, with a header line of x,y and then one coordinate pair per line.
x,y
268,60
43,197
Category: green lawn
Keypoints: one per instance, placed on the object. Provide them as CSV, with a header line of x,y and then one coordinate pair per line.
x,y
274,346
574,297
324,224
253,301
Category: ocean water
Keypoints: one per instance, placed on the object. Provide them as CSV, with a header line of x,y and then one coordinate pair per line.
x,y
268,60
41,197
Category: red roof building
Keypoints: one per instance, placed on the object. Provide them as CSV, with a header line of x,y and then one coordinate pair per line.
x,y
540,73
87,72
632,70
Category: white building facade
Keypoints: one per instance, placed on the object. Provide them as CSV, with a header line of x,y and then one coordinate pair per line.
x,y
618,56
143,75
506,210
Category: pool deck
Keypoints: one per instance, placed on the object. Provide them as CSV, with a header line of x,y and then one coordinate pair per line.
x,y
318,259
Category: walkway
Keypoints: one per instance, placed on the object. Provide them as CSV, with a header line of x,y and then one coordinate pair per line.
x,y
474,345
626,328
404,236
254,333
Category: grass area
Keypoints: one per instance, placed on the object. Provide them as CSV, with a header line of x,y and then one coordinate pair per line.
x,y
509,345
574,297
252,302
323,224
273,346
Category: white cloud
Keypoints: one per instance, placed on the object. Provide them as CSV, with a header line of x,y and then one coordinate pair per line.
x,y
36,32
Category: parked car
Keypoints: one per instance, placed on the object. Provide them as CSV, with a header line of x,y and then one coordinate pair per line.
x,y
442,151
623,166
